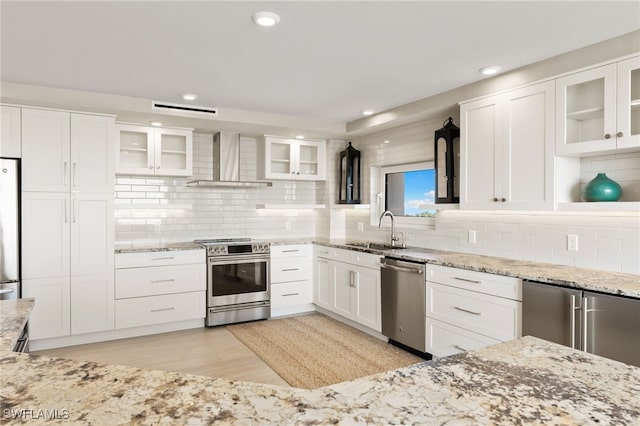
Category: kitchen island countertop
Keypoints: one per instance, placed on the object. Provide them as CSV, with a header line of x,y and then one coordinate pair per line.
x,y
14,315
524,381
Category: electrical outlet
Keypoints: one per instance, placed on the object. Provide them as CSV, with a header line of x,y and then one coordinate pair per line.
x,y
472,237
360,226
572,242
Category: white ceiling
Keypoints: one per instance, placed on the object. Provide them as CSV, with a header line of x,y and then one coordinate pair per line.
x,y
325,60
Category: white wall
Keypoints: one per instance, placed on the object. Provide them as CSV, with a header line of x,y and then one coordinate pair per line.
x,y
609,241
153,210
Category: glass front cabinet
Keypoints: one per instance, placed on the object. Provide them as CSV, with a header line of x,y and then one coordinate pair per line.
x,y
154,151
599,109
293,159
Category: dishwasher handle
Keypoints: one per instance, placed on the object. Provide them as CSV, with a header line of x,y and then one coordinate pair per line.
x,y
401,268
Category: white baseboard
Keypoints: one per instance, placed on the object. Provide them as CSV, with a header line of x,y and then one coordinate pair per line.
x,y
292,310
353,324
83,339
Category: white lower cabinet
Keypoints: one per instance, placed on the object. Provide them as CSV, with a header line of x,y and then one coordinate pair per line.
x,y
468,310
51,314
348,284
92,303
445,339
140,311
291,279
67,262
159,287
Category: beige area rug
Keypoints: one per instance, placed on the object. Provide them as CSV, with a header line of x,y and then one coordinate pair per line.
x,y
312,351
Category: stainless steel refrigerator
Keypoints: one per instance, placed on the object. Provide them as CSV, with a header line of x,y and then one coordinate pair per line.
x,y
600,324
9,228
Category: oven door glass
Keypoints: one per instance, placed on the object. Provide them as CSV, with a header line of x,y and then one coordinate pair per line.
x,y
238,280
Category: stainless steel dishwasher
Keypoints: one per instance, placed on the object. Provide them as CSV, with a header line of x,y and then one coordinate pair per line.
x,y
403,289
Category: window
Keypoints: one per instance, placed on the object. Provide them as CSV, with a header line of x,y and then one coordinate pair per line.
x,y
407,191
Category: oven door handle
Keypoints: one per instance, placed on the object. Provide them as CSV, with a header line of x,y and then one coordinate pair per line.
x,y
236,260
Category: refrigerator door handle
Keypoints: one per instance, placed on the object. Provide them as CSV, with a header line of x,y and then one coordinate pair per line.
x,y
573,321
585,314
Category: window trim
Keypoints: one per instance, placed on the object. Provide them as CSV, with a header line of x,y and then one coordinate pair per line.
x,y
378,174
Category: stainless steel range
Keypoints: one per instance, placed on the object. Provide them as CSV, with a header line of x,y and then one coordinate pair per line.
x,y
238,287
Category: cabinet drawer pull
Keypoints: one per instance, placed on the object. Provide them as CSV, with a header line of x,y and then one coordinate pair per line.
x,y
163,258
460,348
322,261
290,294
73,174
163,309
467,280
290,251
466,310
290,269
163,281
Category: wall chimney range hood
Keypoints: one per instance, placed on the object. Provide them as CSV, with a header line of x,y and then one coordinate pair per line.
x,y
226,164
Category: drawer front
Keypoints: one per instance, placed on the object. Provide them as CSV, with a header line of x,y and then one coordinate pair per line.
x,y
497,285
159,258
150,310
291,294
444,339
491,316
291,270
293,250
324,252
137,282
358,258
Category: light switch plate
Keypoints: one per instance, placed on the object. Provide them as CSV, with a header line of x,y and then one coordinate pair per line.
x,y
472,237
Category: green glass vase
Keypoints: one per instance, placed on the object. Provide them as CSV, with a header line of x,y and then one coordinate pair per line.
x,y
601,188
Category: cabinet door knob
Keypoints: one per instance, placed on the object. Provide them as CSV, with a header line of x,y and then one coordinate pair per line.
x,y
495,200
619,134
503,199
150,167
607,136
157,167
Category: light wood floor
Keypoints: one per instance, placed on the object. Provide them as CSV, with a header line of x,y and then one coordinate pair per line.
x,y
212,352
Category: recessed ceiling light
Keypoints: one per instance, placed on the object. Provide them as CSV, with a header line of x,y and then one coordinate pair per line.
x,y
266,19
155,123
367,112
189,97
490,70
300,137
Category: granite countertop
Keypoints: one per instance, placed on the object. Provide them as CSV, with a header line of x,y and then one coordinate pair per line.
x,y
14,314
616,283
161,247
524,381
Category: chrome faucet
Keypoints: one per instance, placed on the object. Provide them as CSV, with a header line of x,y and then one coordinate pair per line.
x,y
394,237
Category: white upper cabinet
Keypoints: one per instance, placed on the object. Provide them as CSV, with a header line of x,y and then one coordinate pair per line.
x,y
598,110
293,159
507,144
46,150
628,112
64,152
154,151
92,159
10,144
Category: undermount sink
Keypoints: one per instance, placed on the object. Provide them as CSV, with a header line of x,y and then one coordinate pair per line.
x,y
375,246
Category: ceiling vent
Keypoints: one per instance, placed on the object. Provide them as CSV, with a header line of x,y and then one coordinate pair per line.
x,y
167,106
